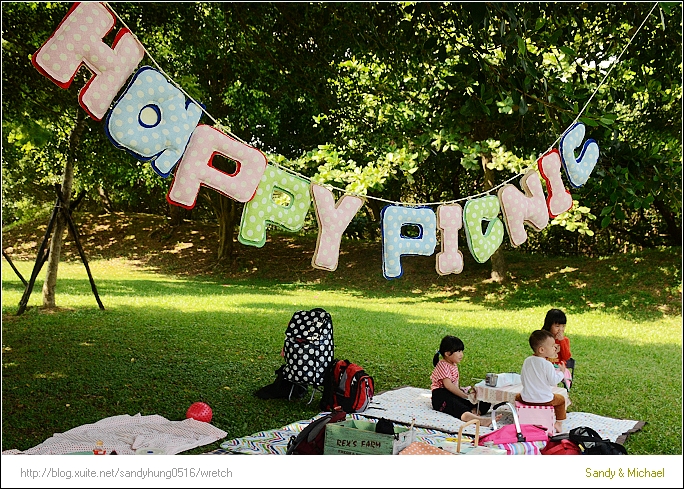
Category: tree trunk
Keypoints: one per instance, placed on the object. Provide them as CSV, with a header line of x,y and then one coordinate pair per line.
x,y
674,229
177,215
104,199
57,237
498,262
374,226
226,213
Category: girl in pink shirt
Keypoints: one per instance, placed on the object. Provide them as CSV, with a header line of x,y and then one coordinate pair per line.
x,y
447,396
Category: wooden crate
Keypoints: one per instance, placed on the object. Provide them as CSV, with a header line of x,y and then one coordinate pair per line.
x,y
356,437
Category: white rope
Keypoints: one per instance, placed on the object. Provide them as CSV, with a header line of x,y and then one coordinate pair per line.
x,y
346,192
613,65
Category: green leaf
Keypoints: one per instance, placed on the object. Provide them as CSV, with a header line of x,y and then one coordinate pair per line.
x,y
568,51
605,222
539,24
608,118
522,47
522,108
589,122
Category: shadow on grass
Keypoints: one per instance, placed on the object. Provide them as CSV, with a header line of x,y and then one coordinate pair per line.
x,y
644,286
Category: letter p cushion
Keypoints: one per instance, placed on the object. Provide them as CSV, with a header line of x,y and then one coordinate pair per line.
x,y
394,244
263,210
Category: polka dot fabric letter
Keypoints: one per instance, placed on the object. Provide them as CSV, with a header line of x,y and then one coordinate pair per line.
x,y
332,221
449,220
394,245
482,246
78,40
153,120
195,168
578,170
519,208
262,209
559,199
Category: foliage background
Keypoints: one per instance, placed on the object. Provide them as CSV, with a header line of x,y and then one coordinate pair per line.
x,y
400,101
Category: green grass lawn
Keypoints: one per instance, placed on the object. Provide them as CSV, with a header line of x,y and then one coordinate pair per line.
x,y
164,342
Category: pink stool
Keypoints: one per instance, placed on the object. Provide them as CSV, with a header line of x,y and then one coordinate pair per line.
x,y
544,416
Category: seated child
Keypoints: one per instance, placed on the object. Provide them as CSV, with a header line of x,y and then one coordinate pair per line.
x,y
447,396
539,376
554,322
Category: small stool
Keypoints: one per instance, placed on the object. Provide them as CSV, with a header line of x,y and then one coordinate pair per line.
x,y
544,416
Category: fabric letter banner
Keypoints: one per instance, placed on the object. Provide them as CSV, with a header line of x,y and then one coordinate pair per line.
x,y
483,245
559,199
332,221
578,170
394,244
263,210
449,220
519,208
78,40
153,120
196,168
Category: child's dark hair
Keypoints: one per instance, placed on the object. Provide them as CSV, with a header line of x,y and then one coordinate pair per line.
x,y
449,344
554,316
538,337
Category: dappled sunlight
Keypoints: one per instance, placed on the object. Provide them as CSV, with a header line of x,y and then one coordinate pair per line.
x,y
49,375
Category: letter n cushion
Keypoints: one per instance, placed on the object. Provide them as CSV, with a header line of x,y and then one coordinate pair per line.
x,y
519,208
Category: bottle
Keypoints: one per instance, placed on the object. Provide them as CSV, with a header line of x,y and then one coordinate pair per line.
x,y
99,448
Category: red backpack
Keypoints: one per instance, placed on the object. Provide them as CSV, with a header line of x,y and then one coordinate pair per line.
x,y
349,387
561,447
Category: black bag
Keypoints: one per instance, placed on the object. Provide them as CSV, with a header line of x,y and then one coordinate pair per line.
x,y
348,386
281,388
311,440
309,347
590,442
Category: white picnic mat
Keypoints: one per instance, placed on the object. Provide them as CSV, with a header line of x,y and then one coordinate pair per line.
x,y
404,404
126,434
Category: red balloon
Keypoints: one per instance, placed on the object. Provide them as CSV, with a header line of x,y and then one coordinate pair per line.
x,y
199,411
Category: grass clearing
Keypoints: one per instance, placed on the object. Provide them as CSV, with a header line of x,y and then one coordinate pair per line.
x,y
166,341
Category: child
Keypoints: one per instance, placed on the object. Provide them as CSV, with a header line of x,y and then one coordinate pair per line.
x,y
447,396
554,322
539,376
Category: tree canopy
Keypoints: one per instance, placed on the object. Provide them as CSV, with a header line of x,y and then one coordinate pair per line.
x,y
400,101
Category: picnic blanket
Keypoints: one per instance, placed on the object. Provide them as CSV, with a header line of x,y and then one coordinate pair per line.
x,y
404,404
274,442
126,434
432,427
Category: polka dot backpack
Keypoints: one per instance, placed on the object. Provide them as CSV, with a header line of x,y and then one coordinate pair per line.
x,y
308,348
